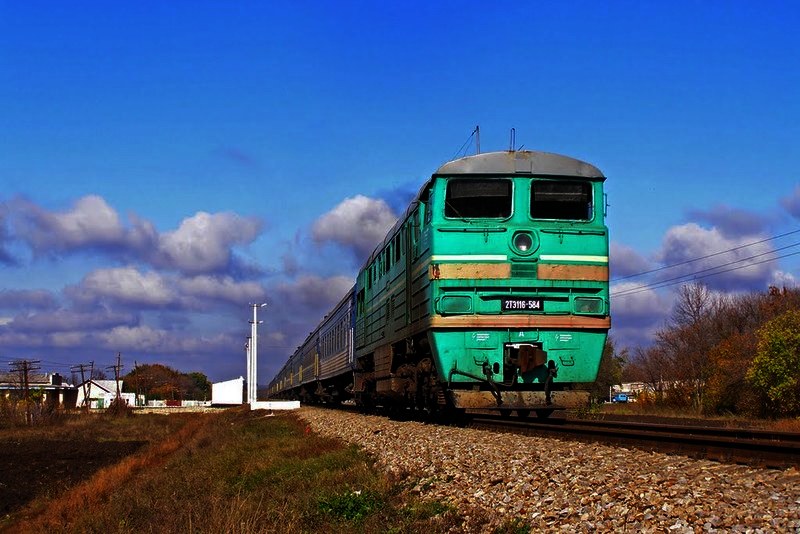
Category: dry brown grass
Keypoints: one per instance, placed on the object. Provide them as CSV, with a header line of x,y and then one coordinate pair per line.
x,y
238,472
58,514
786,425
733,421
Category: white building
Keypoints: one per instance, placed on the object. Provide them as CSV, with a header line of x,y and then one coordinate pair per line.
x,y
228,393
100,393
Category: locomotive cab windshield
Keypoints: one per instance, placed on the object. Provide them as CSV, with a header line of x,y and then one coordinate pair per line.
x,y
561,200
478,198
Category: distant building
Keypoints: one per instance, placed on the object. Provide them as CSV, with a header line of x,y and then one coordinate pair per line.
x,y
228,393
54,390
100,393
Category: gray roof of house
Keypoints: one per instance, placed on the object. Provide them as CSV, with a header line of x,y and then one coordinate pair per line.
x,y
520,162
108,385
33,378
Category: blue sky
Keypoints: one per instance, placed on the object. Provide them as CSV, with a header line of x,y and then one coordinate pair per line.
x,y
163,164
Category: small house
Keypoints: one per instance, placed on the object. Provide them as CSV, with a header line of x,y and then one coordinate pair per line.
x,y
99,394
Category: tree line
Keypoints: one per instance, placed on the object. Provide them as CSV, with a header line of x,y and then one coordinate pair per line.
x,y
159,382
718,354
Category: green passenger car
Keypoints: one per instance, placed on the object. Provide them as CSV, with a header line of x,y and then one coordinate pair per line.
x,y
491,292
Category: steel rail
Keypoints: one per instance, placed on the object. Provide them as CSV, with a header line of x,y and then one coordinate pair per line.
x,y
734,445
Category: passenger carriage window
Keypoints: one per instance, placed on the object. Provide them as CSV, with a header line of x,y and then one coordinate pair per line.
x,y
486,198
552,199
360,303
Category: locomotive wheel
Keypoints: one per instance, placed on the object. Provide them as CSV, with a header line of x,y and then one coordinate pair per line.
x,y
523,414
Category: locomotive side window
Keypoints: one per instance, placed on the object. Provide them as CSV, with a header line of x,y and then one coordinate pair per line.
x,y
561,200
478,199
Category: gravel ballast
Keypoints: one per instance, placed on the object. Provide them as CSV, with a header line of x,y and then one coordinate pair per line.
x,y
551,484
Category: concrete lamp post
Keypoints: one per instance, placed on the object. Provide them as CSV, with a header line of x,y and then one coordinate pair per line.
x,y
252,363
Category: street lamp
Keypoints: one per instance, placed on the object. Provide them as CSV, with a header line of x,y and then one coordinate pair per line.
x,y
252,379
249,365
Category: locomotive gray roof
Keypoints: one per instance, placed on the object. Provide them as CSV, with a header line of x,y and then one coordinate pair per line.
x,y
520,162
530,162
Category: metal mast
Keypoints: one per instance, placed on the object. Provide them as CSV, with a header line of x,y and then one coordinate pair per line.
x,y
252,379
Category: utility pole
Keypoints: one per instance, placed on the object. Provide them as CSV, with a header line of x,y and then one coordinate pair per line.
x,y
117,369
82,368
24,368
136,377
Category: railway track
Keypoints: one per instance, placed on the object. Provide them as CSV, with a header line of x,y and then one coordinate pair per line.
x,y
734,445
764,448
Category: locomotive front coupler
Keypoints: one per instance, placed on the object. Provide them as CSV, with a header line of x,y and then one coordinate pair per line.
x,y
487,379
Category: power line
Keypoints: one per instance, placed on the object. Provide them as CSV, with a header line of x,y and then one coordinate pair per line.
x,y
691,276
734,262
704,257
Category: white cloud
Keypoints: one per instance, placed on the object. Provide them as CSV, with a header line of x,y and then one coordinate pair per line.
x,y
146,339
357,223
68,339
625,261
635,305
89,222
202,243
137,338
690,241
27,299
210,288
124,284
314,292
792,202
63,320
782,279
130,288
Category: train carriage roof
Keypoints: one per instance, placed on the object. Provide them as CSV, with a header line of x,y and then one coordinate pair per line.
x,y
520,162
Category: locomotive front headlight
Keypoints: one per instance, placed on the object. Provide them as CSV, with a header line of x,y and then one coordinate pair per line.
x,y
589,305
523,242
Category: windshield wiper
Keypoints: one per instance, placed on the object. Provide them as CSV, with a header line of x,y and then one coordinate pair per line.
x,y
458,214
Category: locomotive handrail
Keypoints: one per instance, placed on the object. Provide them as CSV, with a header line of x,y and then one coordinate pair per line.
x,y
493,229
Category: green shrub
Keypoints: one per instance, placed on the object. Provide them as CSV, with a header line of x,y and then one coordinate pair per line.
x,y
351,505
775,372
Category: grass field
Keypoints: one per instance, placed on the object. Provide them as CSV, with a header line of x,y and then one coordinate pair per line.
x,y
236,471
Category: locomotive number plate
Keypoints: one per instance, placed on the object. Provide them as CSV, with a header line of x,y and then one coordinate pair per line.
x,y
521,304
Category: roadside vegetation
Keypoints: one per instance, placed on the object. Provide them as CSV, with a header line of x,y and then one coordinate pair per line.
x,y
157,381
235,471
717,355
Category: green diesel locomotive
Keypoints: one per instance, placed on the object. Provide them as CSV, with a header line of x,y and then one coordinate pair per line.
x,y
490,292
